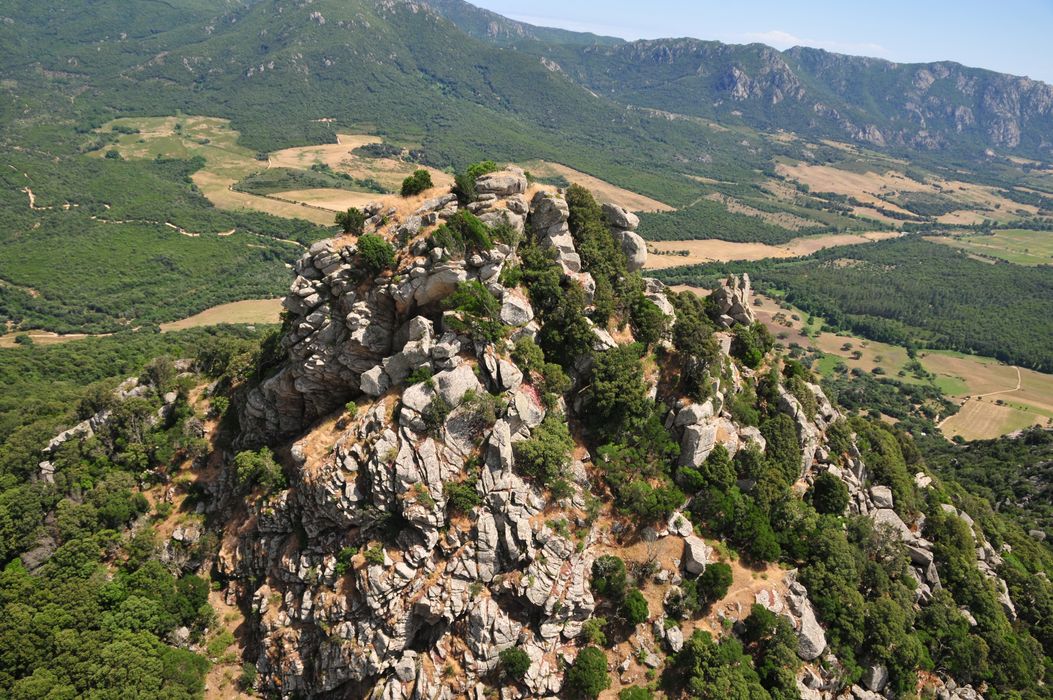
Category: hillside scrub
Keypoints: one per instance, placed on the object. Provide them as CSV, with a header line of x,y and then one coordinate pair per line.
x,y
416,183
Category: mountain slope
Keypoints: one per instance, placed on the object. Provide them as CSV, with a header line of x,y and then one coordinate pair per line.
x,y
935,106
484,24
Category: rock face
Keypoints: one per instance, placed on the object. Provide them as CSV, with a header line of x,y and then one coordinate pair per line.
x,y
732,300
696,555
358,574
349,334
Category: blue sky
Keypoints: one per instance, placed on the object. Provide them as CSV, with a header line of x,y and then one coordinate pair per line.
x,y
1010,36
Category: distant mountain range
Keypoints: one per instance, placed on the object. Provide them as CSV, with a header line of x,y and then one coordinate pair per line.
x,y
454,76
932,106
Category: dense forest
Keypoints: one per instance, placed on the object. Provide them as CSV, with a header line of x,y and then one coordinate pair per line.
x,y
90,600
913,293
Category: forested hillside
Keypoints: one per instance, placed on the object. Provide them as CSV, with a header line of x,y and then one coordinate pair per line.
x,y
91,598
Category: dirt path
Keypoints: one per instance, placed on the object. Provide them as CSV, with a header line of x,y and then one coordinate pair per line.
x,y
1004,391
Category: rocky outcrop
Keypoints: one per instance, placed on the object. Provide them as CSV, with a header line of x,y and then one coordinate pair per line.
x,y
696,555
502,183
732,301
350,334
811,639
623,225
364,577
406,542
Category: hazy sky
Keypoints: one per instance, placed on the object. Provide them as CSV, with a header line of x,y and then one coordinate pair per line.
x,y
1009,36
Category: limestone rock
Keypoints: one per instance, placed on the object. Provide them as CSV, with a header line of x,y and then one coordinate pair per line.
x,y
876,678
696,554
697,443
516,311
635,249
732,300
881,496
502,183
620,218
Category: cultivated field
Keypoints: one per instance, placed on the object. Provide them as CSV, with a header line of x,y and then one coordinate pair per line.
x,y
783,219
248,311
1019,246
666,254
601,189
877,190
996,399
227,163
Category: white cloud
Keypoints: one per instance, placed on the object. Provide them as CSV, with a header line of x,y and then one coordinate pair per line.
x,y
783,40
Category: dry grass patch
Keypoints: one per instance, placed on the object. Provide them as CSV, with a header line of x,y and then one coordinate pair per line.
x,y
331,154
983,419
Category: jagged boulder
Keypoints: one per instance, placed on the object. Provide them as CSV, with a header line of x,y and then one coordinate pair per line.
x,y
635,249
696,554
550,216
732,301
811,639
516,311
619,217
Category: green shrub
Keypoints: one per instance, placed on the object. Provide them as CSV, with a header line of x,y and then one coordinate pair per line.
x,y
247,680
479,312
751,343
592,631
635,693
376,254
375,555
435,414
464,189
416,183
421,374
714,582
609,577
218,644
351,221
483,167
829,494
343,560
460,497
259,469
527,355
587,677
514,663
218,405
634,607
545,455
648,322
